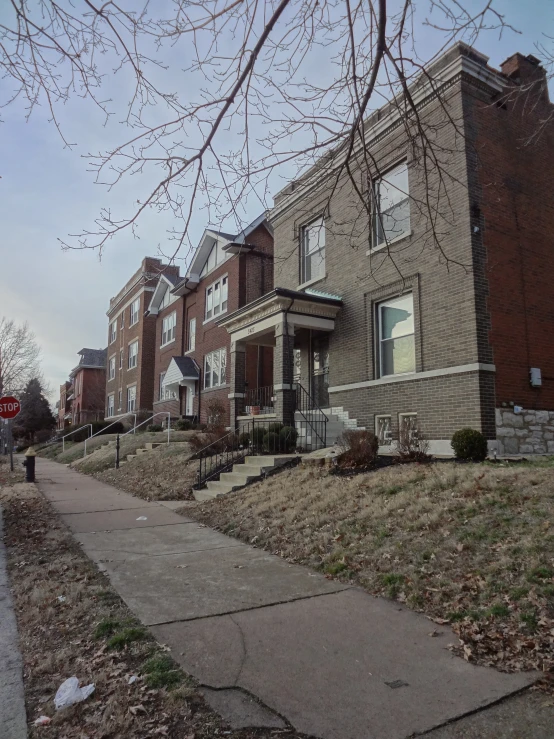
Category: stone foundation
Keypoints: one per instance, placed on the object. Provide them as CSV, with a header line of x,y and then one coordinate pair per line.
x,y
528,432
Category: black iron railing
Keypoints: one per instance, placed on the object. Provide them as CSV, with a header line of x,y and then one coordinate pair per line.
x,y
259,400
312,423
256,436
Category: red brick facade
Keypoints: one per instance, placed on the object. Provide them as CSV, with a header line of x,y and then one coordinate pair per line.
x,y
88,402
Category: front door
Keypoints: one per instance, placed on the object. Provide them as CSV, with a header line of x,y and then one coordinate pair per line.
x,y
320,371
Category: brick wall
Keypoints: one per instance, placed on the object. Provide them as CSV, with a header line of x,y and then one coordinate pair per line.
x,y
513,202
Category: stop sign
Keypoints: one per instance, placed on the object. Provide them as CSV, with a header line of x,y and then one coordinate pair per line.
x,y
9,407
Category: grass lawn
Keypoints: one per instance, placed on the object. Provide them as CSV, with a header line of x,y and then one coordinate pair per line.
x,y
467,544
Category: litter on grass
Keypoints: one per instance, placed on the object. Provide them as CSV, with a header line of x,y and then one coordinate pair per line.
x,y
42,721
69,693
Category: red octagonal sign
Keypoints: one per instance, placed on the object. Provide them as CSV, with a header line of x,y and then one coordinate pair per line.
x,y
9,407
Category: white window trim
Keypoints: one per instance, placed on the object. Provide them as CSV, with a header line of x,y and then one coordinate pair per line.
x,y
137,314
173,313
221,384
385,243
303,230
377,419
408,414
113,335
378,323
121,356
193,334
108,414
129,387
312,282
131,343
110,376
221,312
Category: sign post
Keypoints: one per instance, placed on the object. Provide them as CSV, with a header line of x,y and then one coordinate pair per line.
x,y
9,408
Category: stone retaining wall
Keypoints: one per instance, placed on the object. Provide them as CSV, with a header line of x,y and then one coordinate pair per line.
x,y
528,432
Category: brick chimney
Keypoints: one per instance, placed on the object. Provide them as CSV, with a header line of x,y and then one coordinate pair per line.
x,y
527,72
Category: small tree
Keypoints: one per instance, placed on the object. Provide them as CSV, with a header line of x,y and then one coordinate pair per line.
x,y
35,415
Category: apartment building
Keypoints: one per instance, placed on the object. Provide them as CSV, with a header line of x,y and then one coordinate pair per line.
x,y
391,316
227,271
132,342
82,396
63,406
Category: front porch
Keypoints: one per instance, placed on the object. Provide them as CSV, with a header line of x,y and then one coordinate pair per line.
x,y
296,326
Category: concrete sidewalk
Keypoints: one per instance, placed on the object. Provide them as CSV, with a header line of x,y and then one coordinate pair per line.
x,y
329,659
13,719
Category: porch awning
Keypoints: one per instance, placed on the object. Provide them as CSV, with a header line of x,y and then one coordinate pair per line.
x,y
181,370
256,321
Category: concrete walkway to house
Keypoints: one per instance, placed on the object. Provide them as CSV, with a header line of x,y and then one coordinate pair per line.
x,y
330,659
13,719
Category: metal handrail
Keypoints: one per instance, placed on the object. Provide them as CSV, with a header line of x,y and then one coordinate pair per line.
x,y
312,407
103,430
75,431
224,458
159,413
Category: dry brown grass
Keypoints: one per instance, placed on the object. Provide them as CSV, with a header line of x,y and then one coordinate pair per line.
x,y
166,473
472,543
73,637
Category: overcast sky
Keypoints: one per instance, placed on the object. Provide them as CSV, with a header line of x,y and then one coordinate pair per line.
x,y
47,193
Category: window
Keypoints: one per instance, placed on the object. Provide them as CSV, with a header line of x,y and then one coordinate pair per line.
x,y
112,368
391,206
122,324
168,328
119,399
165,299
383,430
312,246
407,425
110,409
132,398
133,355
216,298
134,312
215,368
121,359
396,336
162,377
192,335
113,331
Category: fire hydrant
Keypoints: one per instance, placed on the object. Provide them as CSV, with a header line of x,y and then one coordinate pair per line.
x,y
29,464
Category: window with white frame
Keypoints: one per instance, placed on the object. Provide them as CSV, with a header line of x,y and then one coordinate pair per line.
x,y
111,375
110,408
396,340
216,298
122,323
161,394
132,398
121,359
215,368
168,328
134,312
192,335
383,430
312,251
133,355
165,299
407,426
113,331
391,206
119,399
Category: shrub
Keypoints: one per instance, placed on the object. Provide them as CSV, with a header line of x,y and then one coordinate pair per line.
x,y
358,448
288,437
469,444
244,439
275,428
183,424
271,442
216,414
102,427
412,446
154,427
258,435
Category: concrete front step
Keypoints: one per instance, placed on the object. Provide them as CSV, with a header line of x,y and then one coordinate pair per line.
x,y
242,474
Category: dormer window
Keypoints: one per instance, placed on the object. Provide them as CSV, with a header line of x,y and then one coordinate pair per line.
x,y
216,298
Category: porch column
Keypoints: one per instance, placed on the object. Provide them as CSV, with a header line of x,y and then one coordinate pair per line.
x,y
283,369
238,375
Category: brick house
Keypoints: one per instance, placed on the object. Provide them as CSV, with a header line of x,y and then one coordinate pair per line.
x,y
88,381
366,314
63,406
132,343
192,351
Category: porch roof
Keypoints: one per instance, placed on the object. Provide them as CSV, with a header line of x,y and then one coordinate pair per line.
x,y
180,369
304,310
